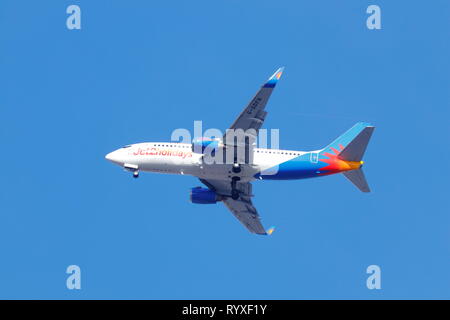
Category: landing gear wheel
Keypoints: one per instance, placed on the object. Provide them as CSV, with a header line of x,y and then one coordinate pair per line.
x,y
136,174
236,168
234,191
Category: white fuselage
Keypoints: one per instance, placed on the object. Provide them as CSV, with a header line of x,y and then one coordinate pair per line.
x,y
178,158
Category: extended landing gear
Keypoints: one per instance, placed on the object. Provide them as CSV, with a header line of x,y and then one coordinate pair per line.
x,y
234,191
132,168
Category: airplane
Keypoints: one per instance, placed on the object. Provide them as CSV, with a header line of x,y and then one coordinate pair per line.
x,y
230,182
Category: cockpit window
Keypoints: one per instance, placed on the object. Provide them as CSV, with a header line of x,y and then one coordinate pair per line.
x,y
127,146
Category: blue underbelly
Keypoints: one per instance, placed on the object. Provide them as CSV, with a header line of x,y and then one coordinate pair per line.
x,y
298,168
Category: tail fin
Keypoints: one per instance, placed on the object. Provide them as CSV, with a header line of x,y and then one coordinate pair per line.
x,y
351,147
352,144
358,179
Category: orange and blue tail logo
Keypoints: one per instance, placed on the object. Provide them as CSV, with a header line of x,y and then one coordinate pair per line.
x,y
345,153
335,164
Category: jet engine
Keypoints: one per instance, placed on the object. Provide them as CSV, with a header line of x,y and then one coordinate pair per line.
x,y
199,145
201,195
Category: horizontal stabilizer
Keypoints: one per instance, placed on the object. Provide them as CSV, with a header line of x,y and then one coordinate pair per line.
x,y
358,179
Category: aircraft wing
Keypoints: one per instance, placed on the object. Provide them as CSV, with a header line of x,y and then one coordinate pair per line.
x,y
252,117
242,208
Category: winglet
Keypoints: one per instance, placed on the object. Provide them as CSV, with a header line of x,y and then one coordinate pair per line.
x,y
270,230
274,78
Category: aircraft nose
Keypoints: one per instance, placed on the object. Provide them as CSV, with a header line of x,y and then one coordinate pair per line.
x,y
114,157
109,156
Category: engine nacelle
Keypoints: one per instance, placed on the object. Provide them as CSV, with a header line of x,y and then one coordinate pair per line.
x,y
199,145
203,196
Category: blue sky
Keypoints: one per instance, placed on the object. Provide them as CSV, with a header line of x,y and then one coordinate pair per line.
x,y
138,70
